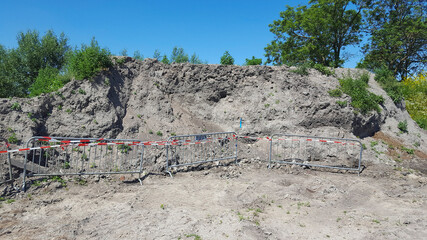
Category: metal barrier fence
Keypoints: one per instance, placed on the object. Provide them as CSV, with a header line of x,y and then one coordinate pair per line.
x,y
186,150
311,151
5,164
45,156
82,156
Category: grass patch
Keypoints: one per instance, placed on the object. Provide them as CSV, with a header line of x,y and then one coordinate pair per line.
x,y
124,148
196,237
342,103
323,69
388,82
403,126
408,150
301,69
16,106
335,93
13,139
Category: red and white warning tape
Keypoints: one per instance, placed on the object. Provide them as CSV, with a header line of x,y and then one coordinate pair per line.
x,y
296,140
84,143
254,138
98,142
314,140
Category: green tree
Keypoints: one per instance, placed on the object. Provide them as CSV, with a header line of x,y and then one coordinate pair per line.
x,y
398,37
20,67
178,55
124,52
194,59
316,33
138,55
227,59
165,59
253,61
156,54
38,53
13,80
89,60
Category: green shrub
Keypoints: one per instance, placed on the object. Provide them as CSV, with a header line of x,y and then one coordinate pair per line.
x,y
253,61
121,61
408,150
422,123
13,139
16,106
165,59
323,69
364,77
89,60
335,93
227,59
302,69
47,81
414,89
124,148
81,91
342,103
389,83
403,126
159,133
361,98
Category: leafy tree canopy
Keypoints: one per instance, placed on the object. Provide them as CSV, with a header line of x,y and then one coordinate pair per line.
x,y
20,67
316,33
178,55
124,52
165,59
157,54
137,55
227,59
194,59
398,37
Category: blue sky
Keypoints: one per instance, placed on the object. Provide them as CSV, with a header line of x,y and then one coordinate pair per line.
x,y
208,28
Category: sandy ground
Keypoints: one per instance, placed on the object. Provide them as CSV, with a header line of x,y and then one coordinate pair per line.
x,y
227,202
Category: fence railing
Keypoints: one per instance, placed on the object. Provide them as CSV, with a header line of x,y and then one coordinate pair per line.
x,y
311,151
186,150
5,164
45,156
82,156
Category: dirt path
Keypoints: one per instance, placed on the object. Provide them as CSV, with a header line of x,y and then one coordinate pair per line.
x,y
246,202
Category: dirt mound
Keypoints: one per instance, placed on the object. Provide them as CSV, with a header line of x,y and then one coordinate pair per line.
x,y
137,99
149,100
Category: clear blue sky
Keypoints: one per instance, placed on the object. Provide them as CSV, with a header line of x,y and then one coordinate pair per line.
x,y
208,28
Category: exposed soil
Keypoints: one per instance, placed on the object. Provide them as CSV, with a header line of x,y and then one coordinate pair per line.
x,y
235,202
